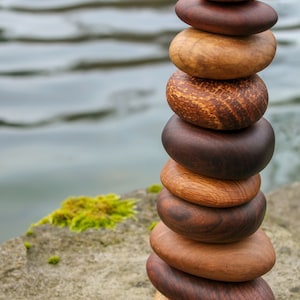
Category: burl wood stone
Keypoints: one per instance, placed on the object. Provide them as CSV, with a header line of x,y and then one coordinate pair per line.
x,y
241,261
226,155
177,285
208,191
215,104
211,225
244,18
214,56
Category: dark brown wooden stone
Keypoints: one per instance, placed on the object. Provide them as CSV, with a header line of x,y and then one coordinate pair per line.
x,y
177,285
242,18
224,155
241,261
211,225
217,104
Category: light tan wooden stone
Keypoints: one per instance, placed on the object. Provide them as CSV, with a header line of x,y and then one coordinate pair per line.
x,y
213,56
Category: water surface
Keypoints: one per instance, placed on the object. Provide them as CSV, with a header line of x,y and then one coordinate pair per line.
x,y
82,107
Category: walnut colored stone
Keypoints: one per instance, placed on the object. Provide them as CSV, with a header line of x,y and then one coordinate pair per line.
x,y
211,225
207,191
221,105
177,285
214,56
220,154
245,18
241,261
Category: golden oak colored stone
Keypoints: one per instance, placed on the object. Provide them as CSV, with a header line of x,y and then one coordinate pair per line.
x,y
220,154
221,105
245,260
245,18
208,191
177,285
211,225
214,56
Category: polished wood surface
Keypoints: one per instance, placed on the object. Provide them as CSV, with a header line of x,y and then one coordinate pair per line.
x,y
245,260
208,191
216,104
233,19
215,56
177,285
211,225
229,155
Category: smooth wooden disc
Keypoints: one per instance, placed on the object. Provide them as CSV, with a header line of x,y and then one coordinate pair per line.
x,y
211,225
220,154
233,19
241,261
177,285
207,191
214,56
215,104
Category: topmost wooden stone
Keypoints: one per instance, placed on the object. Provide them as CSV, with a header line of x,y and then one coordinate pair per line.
x,y
243,18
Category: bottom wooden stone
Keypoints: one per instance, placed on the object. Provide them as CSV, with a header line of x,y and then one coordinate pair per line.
x,y
176,285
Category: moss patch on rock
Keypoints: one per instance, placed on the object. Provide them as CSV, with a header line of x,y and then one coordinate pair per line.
x,y
84,212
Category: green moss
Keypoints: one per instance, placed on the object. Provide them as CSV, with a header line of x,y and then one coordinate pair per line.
x,y
83,212
27,245
29,232
154,188
152,225
53,260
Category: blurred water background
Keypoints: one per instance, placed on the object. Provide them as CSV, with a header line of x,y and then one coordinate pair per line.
x,y
82,100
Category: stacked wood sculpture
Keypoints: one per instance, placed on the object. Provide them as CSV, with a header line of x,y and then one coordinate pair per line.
x,y
209,244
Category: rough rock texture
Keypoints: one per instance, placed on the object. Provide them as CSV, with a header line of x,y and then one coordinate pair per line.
x,y
110,264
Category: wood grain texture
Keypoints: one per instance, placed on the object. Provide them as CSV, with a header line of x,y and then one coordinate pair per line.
x,y
241,261
207,191
226,155
215,104
176,285
211,225
214,56
242,18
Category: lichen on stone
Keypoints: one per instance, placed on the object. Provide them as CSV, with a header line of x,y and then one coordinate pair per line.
x,y
84,212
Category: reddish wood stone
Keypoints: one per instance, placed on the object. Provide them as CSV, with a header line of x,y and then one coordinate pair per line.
x,y
214,56
244,18
211,225
224,155
241,261
177,285
207,191
215,104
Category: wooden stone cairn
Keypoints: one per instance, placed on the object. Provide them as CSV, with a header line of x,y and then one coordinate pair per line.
x,y
209,244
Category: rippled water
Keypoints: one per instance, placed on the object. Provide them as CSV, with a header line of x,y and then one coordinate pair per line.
x,y
82,102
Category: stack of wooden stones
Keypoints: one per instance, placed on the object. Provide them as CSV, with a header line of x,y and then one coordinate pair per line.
x,y
209,244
